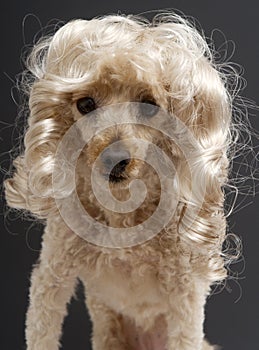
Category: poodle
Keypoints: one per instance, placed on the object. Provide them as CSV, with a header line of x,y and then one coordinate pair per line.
x,y
125,158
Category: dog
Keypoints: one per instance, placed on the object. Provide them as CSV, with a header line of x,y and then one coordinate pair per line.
x,y
117,102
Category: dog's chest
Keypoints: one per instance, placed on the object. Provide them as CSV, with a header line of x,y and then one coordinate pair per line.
x,y
130,291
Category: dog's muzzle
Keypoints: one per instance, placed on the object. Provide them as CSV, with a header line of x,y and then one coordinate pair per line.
x,y
115,161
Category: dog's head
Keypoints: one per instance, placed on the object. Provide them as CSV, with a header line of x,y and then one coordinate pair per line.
x,y
122,76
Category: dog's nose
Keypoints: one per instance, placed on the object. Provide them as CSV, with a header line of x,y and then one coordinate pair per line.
x,y
115,160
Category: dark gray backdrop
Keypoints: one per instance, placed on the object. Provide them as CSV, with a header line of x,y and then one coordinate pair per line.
x,y
232,314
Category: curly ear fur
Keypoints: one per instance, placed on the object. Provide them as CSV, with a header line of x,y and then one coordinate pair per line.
x,y
208,115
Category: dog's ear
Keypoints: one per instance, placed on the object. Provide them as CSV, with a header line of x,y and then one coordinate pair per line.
x,y
206,112
19,194
212,106
202,101
16,187
31,185
30,188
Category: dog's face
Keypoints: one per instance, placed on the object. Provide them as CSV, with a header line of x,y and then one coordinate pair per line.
x,y
132,113
121,117
125,79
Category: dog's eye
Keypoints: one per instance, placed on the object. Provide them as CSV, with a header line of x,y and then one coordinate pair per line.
x,y
86,105
148,108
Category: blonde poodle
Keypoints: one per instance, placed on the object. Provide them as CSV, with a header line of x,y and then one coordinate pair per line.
x,y
125,157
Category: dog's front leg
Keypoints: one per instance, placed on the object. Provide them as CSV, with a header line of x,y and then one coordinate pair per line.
x,y
185,323
185,319
107,327
52,284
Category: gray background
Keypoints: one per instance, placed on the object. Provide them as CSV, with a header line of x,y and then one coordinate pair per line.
x,y
233,313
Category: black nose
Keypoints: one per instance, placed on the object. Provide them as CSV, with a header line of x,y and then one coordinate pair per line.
x,y
115,160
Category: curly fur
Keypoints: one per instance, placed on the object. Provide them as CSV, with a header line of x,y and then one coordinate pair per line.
x,y
147,295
